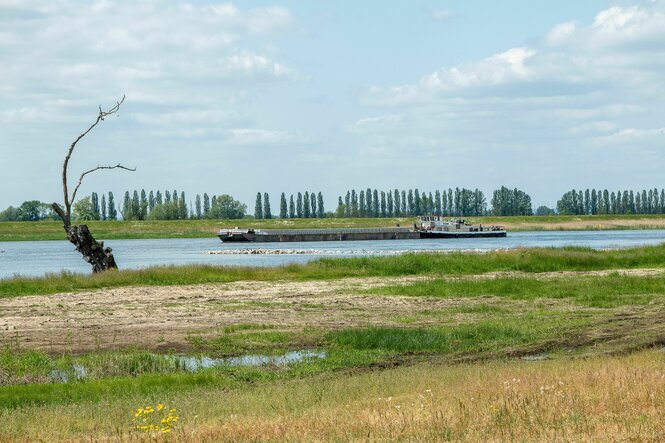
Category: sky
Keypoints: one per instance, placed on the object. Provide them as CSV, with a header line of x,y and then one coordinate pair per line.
x,y
330,95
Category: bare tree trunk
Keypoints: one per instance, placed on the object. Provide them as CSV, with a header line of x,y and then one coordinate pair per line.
x,y
93,251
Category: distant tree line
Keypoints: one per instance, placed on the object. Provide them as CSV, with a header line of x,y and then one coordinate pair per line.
x,y
307,205
458,202
405,203
448,202
591,202
32,210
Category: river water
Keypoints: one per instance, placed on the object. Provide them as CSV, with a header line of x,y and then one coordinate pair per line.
x,y
41,257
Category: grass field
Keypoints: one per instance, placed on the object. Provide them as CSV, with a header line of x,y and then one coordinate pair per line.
x,y
24,231
525,345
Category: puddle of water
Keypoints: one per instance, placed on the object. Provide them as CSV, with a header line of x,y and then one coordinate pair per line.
x,y
78,372
193,364
197,363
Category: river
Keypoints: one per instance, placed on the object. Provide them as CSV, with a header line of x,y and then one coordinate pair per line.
x,y
34,258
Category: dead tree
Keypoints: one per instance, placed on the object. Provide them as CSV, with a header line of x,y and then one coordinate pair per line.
x,y
100,258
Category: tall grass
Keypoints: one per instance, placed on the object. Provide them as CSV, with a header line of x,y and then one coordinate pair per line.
x,y
598,399
523,260
591,291
476,337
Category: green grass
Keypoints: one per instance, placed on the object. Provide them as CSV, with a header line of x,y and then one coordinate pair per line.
x,y
590,291
464,338
240,342
524,260
110,230
122,374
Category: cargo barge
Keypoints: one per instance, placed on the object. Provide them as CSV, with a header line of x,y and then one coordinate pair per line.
x,y
429,226
297,235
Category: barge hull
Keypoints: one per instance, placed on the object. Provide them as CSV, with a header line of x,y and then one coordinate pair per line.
x,y
443,234
319,235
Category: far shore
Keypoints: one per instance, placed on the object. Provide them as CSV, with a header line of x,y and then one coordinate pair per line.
x,y
153,229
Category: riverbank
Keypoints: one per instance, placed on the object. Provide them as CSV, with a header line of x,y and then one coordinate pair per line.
x,y
533,260
515,345
35,231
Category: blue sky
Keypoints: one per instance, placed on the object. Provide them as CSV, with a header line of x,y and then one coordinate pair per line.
x,y
331,95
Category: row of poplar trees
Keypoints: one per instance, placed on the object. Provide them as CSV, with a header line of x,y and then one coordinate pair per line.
x,y
307,205
591,202
451,202
401,203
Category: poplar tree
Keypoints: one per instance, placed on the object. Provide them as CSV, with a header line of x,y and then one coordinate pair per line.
x,y
340,207
158,198
397,203
347,204
369,204
197,205
417,203
258,207
305,206
182,207
283,210
404,210
143,206
127,207
113,213
319,205
136,205
292,208
267,213
361,206
354,203
437,202
411,201
151,201
312,198
299,208
389,205
167,197
375,204
206,204
94,200
103,207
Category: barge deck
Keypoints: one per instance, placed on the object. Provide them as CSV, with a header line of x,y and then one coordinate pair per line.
x,y
304,235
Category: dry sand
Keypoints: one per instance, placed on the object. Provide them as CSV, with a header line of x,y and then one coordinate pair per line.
x,y
162,317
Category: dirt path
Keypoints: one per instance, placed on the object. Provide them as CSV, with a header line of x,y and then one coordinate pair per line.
x,y
156,317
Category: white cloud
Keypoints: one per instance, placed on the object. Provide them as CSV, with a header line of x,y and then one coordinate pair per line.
x,y
443,15
632,136
561,33
498,69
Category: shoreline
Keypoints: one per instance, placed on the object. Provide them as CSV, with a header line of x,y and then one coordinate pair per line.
x,y
172,229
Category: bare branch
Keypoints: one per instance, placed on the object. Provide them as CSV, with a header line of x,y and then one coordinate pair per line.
x,y
118,166
58,210
100,117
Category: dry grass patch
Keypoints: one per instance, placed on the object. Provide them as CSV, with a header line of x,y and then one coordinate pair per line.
x,y
599,399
